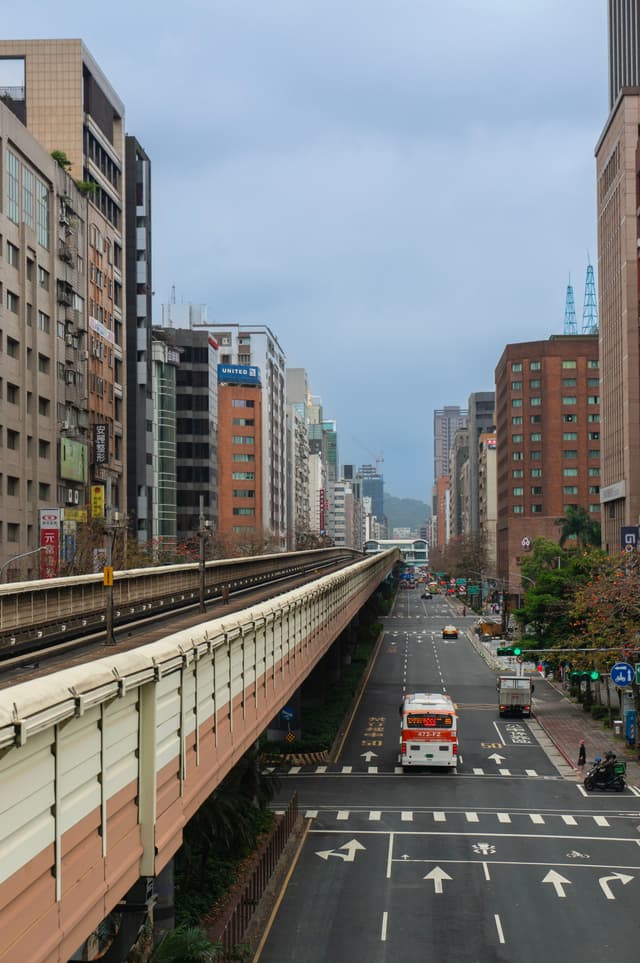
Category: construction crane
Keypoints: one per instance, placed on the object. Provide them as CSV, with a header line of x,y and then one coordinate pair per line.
x,y
379,459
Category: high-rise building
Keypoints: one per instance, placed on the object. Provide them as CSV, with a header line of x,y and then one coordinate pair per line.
x,y
446,422
548,431
488,500
166,358
481,419
140,479
71,108
618,171
298,493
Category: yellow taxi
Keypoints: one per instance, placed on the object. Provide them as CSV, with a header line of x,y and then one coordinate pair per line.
x,y
449,632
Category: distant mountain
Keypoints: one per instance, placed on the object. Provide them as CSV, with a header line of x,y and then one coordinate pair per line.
x,y
405,513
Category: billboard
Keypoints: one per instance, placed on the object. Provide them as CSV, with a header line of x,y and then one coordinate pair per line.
x,y
238,374
73,460
50,520
100,444
97,501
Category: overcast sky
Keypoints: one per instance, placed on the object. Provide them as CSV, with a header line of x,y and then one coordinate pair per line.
x,y
398,188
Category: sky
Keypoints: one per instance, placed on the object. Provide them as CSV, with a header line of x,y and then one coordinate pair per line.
x,y
397,189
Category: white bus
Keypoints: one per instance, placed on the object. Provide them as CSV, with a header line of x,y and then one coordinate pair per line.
x,y
429,730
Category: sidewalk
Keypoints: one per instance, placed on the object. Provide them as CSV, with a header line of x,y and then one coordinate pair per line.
x,y
565,723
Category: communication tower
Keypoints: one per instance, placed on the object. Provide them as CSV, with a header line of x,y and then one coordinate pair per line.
x,y
570,323
590,309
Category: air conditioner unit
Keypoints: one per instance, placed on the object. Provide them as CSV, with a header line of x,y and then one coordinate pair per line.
x,y
65,426
68,339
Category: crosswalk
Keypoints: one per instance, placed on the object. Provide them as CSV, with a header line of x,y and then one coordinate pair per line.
x,y
486,820
370,770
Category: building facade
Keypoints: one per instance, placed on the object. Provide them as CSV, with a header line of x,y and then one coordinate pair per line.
x,y
618,171
481,419
548,442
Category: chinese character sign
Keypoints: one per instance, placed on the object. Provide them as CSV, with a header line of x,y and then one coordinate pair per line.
x,y
50,542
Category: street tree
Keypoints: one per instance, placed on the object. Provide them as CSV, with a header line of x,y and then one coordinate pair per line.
x,y
579,529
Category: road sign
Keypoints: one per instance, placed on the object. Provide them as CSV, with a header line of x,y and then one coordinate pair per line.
x,y
622,674
287,713
638,672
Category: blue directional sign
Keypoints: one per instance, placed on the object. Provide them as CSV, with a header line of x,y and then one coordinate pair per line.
x,y
622,674
287,713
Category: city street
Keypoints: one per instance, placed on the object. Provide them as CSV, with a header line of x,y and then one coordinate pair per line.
x,y
505,859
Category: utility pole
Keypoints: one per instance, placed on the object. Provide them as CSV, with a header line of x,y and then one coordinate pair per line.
x,y
110,528
203,529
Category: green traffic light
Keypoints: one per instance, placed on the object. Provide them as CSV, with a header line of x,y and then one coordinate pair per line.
x,y
517,651
595,675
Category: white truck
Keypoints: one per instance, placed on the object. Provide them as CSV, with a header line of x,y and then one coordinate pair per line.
x,y
515,695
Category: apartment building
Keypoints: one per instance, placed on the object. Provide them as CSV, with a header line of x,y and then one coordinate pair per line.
x,y
548,442
70,107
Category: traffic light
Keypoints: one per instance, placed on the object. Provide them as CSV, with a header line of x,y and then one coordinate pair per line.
x,y
509,650
594,675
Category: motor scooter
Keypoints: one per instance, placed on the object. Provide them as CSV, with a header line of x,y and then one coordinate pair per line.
x,y
596,779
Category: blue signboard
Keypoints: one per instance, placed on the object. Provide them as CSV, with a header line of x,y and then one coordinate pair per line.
x,y
238,374
287,713
630,726
622,674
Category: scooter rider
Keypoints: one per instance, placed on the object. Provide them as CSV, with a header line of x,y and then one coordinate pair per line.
x,y
608,767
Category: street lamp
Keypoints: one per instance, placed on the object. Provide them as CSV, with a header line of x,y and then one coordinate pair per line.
x,y
203,531
14,558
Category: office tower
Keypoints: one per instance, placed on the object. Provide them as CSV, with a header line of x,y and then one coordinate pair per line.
x,y
548,431
446,422
618,170
71,108
298,492
165,362
488,498
481,419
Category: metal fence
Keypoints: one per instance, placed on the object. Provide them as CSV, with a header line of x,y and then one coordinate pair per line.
x,y
230,928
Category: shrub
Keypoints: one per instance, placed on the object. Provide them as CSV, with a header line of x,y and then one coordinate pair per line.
x,y
599,712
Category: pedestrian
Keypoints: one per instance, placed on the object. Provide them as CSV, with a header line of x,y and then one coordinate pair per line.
x,y
582,754
464,610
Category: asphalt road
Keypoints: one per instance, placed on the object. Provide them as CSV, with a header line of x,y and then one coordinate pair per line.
x,y
502,860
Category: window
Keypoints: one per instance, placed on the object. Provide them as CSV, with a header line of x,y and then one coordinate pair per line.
x,y
570,489
517,439
42,211
536,489
570,453
516,366
518,509
13,532
536,436
244,422
13,485
594,489
569,364
244,511
535,400
536,472
569,435
535,366
243,475
593,435
517,472
516,402
593,382
536,509
517,492
243,439
516,420
44,448
13,393
43,278
516,386
593,399
28,210
536,456
241,403
594,508
535,383
570,419
44,323
13,347
593,472
13,188
13,254
593,364
569,400
43,491
44,405
13,439
237,457
569,382
43,363
594,453
535,419
570,472
517,456
244,493
593,419
13,302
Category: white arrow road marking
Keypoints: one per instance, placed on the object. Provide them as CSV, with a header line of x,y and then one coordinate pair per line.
x,y
605,880
368,756
349,857
497,758
437,875
558,882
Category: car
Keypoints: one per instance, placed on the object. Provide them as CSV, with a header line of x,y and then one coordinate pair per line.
x,y
426,595
449,632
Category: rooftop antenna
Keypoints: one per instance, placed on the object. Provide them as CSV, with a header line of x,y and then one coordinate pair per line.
x,y
590,309
570,323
